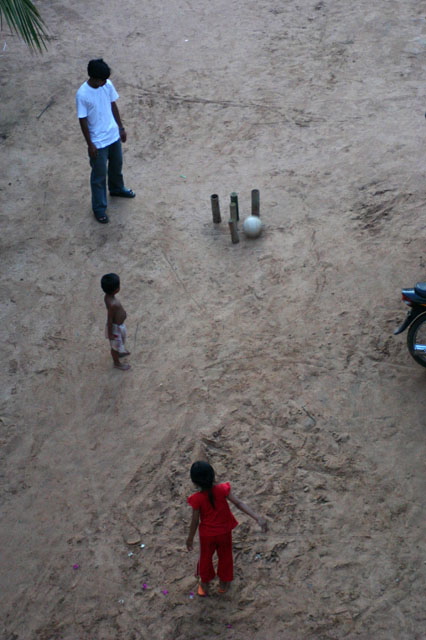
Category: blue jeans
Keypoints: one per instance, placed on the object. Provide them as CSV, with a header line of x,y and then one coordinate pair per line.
x,y
108,161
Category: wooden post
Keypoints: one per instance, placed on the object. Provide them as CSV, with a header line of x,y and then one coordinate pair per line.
x,y
234,198
234,231
255,203
233,212
214,199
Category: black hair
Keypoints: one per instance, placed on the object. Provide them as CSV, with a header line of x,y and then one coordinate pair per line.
x,y
202,474
110,282
98,69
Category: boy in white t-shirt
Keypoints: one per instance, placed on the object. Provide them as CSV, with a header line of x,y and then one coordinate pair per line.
x,y
103,131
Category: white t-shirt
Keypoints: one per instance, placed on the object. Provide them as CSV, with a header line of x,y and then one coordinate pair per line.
x,y
95,105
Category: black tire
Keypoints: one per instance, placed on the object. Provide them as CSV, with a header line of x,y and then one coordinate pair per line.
x,y
416,338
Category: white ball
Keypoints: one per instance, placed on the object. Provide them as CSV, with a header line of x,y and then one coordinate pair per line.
x,y
252,227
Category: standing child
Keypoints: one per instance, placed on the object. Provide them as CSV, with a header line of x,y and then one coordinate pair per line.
x,y
115,328
211,511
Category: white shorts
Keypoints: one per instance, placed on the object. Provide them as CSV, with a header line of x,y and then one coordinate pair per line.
x,y
120,332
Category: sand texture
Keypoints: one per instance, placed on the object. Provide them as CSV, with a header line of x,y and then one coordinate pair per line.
x,y
273,358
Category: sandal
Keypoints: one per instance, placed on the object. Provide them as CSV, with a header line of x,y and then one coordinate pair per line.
x,y
102,218
201,592
126,193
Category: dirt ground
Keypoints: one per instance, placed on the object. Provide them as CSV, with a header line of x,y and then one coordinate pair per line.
x,y
273,358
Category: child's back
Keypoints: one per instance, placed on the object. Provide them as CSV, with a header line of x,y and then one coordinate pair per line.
x,y
218,519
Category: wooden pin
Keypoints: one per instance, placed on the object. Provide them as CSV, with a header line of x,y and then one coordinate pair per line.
x,y
214,199
234,232
255,203
234,198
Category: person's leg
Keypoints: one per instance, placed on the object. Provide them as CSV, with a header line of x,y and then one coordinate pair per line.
x,y
205,564
98,183
122,351
225,567
115,167
117,363
117,348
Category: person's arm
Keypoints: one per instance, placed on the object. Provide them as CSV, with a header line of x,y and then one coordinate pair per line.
x,y
192,528
117,118
243,507
86,133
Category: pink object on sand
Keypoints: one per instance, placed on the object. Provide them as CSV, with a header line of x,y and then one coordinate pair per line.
x,y
75,567
164,592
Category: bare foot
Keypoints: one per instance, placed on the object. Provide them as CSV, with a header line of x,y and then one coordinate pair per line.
x,y
123,367
123,354
202,590
223,587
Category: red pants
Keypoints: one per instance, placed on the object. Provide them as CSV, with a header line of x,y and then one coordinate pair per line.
x,y
225,567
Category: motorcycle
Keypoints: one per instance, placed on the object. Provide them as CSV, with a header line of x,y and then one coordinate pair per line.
x,y
415,321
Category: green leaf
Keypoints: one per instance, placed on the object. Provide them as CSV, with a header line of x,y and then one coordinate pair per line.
x,y
23,18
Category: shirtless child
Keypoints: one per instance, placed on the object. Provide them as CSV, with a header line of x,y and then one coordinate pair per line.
x,y
115,329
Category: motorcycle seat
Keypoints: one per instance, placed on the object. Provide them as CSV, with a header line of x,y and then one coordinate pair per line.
x,y
420,289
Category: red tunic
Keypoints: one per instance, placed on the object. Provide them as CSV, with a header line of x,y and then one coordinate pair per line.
x,y
215,521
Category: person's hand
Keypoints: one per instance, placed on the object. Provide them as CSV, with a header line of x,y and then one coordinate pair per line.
x,y
123,135
93,152
189,544
262,524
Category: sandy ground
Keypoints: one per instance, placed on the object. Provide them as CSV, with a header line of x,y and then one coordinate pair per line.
x,y
273,358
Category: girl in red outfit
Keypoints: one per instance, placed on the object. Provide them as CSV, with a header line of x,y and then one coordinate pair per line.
x,y
211,511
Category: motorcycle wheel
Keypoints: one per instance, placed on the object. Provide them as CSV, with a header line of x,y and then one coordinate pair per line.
x,y
416,340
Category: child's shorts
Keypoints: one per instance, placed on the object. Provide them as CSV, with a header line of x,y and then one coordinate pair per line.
x,y
118,342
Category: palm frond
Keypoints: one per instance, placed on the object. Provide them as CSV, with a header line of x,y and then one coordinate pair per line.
x,y
23,18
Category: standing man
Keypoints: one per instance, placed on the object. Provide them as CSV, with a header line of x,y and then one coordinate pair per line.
x,y
103,131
